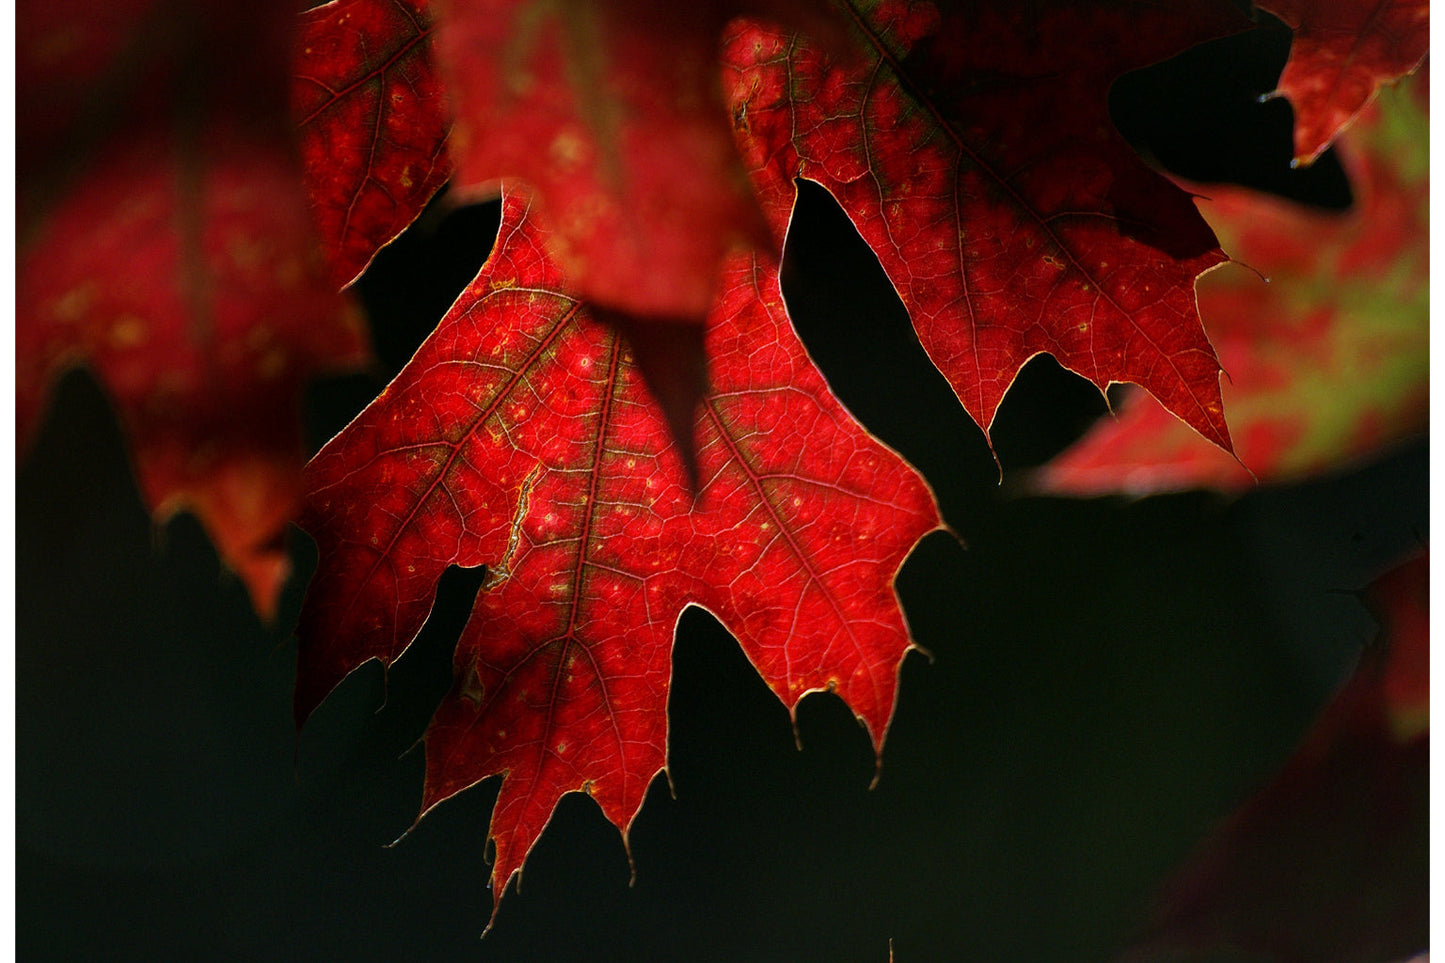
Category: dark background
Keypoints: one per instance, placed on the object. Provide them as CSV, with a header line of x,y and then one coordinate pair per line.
x,y
1109,678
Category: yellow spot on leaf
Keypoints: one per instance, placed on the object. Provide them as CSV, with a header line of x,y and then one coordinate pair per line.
x,y
73,305
128,331
245,252
273,364
289,273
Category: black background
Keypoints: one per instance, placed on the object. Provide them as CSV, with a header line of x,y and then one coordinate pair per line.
x,y
1109,678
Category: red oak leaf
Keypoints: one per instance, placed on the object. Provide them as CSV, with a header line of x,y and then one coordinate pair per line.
x,y
1330,862
1343,52
520,437
1329,361
373,123
974,153
165,244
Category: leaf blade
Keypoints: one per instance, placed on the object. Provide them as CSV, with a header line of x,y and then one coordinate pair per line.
x,y
1010,216
1342,54
372,120
595,545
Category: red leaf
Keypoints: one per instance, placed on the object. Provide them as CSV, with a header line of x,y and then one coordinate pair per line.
x,y
165,244
1328,362
520,437
612,113
63,52
1400,601
1343,52
373,122
975,155
1330,862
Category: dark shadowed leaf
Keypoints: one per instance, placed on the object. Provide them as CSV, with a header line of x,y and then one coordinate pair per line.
x,y
974,153
1330,863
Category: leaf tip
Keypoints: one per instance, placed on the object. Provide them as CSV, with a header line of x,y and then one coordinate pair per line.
x,y
313,684
672,356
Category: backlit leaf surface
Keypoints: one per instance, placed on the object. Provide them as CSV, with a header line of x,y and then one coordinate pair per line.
x,y
373,123
521,437
973,151
612,113
1328,361
164,243
1343,51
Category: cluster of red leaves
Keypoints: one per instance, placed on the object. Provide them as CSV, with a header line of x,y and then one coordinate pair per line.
x,y
600,472
520,436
